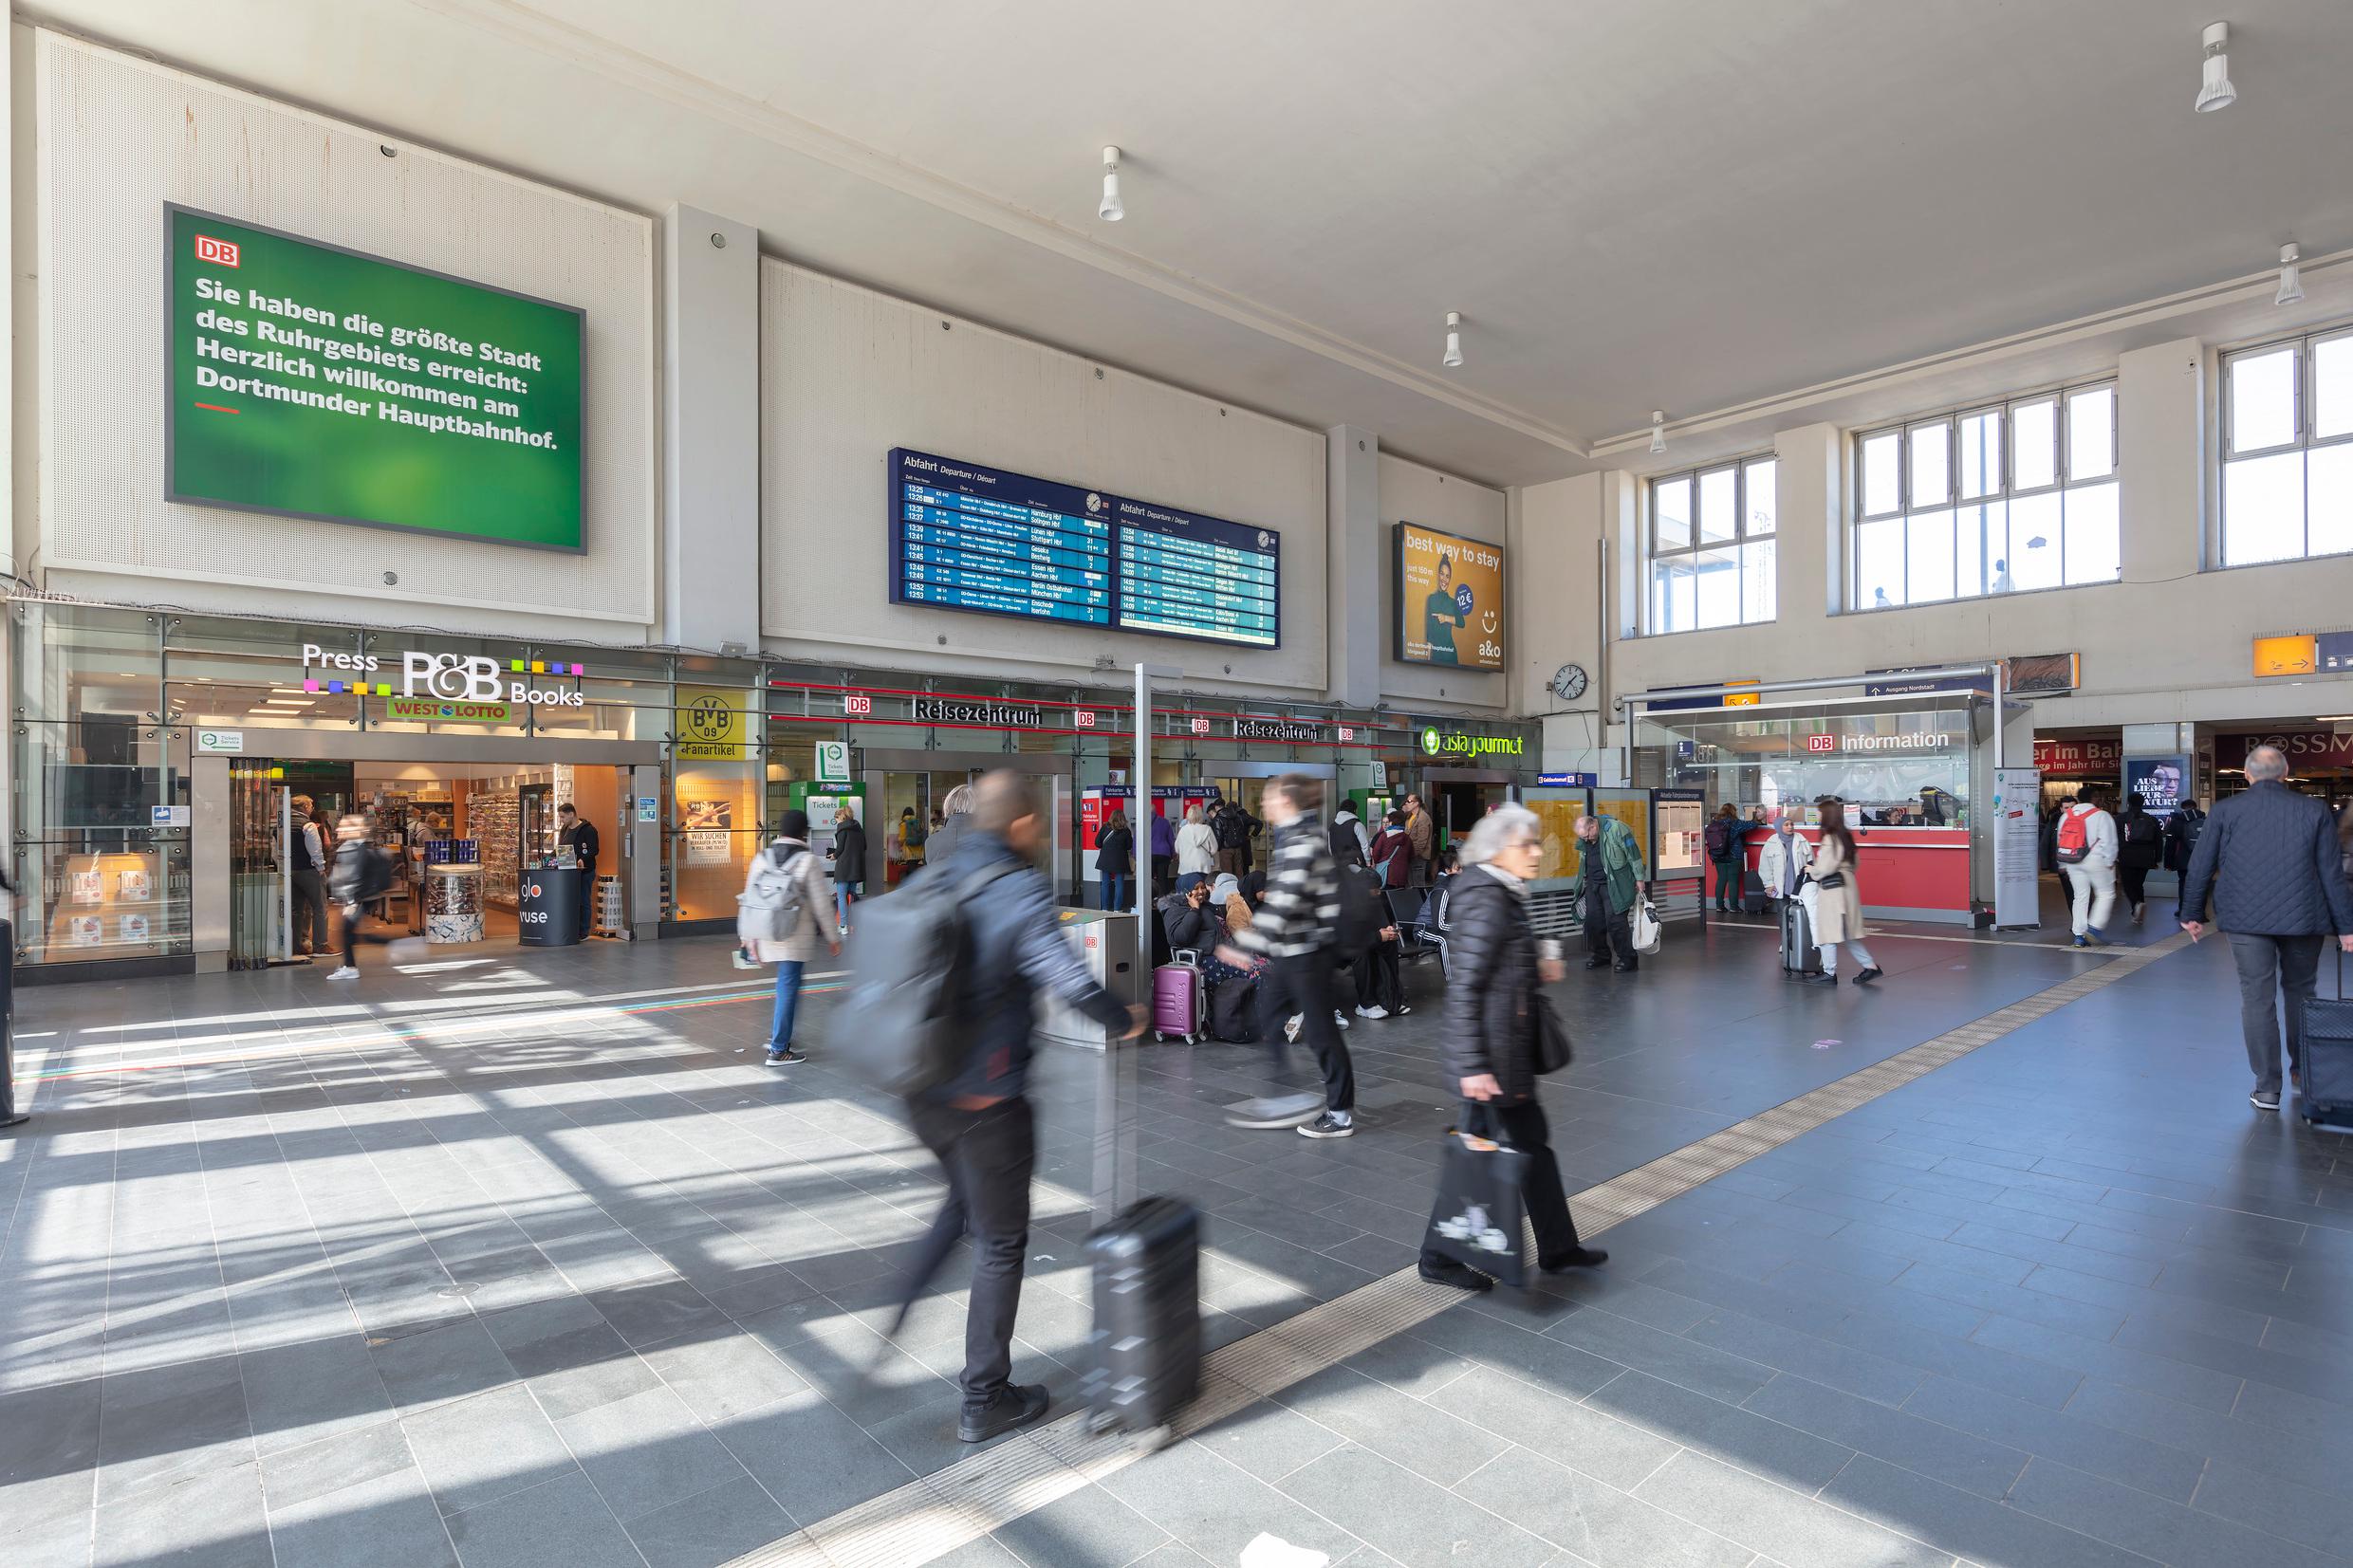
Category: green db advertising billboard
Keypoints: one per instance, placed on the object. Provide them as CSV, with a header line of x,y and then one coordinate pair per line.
x,y
313,381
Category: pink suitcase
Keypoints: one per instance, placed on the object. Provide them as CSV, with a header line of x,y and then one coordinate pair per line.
x,y
1179,1006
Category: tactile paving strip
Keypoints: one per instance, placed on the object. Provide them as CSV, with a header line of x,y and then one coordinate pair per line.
x,y
931,1517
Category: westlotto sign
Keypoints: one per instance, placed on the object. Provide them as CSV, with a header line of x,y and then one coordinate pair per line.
x,y
429,710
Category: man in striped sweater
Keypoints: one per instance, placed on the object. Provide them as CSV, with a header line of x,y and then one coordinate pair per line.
x,y
1292,930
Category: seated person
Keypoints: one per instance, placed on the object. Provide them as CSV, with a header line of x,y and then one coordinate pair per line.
x,y
1191,921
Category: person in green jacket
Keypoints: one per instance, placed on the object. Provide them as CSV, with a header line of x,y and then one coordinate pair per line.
x,y
1611,874
1440,614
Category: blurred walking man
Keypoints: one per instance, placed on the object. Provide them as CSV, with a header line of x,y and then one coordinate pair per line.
x,y
977,1123
2269,859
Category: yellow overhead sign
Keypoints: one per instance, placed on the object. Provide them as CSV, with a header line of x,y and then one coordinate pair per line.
x,y
2289,655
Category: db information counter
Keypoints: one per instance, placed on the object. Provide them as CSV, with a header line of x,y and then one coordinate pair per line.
x,y
1912,771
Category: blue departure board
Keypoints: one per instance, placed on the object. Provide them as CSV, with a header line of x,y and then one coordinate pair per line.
x,y
1188,576
966,537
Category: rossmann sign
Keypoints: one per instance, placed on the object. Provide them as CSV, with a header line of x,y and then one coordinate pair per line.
x,y
2302,748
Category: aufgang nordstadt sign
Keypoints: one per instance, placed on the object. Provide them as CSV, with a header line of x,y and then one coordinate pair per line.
x,y
313,381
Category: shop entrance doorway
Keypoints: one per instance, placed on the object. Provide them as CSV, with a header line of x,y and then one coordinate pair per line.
x,y
894,781
1458,797
477,853
1247,783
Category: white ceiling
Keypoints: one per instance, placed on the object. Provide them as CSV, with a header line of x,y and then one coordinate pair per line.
x,y
1689,205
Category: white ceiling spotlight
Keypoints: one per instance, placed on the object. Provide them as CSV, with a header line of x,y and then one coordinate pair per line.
x,y
1111,212
1454,340
2214,91
1657,430
2291,277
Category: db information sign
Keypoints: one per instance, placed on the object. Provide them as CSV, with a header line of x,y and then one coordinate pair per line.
x,y
833,762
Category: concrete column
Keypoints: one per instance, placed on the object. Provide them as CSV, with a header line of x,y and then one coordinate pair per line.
x,y
1355,553
710,430
2161,411
1809,486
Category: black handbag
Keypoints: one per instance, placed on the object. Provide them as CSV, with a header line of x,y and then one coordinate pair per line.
x,y
1476,1220
1833,881
1553,1050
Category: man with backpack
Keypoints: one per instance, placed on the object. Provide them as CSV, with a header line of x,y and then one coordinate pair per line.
x,y
945,1005
1234,829
1726,838
1297,929
362,874
781,919
2086,847
2181,831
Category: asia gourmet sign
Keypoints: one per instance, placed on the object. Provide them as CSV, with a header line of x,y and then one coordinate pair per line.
x,y
313,381
1438,742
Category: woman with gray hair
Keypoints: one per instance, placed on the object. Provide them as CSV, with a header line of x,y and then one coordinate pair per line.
x,y
1490,1048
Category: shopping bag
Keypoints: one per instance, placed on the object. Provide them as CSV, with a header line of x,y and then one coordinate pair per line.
x,y
1646,928
1476,1218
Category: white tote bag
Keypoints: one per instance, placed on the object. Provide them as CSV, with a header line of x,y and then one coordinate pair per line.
x,y
1646,930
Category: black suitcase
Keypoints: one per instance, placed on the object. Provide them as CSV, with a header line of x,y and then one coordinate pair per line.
x,y
1753,899
2327,1029
1233,1010
1798,953
1145,1353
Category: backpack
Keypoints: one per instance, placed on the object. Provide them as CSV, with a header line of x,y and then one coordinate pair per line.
x,y
907,990
1718,839
360,876
2142,829
1232,830
915,833
770,908
2074,837
1364,910
1346,850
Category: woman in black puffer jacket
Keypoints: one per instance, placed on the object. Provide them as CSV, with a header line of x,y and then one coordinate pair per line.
x,y
1489,1044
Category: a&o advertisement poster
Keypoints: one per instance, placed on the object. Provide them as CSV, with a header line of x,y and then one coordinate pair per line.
x,y
1448,599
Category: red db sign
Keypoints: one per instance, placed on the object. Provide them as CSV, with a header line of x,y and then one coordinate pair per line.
x,y
1822,743
219,253
856,704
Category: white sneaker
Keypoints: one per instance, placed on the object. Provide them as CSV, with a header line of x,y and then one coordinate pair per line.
x,y
1291,1027
345,972
1340,1018
1375,1011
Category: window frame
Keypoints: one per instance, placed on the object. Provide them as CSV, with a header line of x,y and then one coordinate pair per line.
x,y
2304,394
2005,490
1698,543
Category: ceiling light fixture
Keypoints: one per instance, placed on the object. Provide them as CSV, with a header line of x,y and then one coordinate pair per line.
x,y
1657,430
1111,212
1454,340
2214,91
2291,277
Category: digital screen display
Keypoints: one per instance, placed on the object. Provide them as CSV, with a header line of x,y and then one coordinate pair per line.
x,y
1183,575
967,537
964,537
1448,599
313,381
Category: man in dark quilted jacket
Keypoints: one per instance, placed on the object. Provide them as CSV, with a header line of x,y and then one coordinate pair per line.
x,y
2269,859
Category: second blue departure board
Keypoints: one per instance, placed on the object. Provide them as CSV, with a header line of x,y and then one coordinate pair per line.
x,y
965,537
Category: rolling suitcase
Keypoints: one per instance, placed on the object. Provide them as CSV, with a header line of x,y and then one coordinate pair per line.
x,y
1145,1360
1179,1004
1799,956
2326,1093
1753,899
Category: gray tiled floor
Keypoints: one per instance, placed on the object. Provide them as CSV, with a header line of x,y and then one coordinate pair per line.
x,y
527,1261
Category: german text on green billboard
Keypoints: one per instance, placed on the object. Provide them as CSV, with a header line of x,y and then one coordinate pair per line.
x,y
313,381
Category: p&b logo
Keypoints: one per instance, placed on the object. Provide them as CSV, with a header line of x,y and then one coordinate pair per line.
x,y
219,253
469,677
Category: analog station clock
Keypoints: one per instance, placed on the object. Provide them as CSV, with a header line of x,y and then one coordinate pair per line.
x,y
1568,682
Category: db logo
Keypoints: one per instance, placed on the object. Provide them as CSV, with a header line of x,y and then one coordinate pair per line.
x,y
467,677
1200,727
219,253
1822,743
856,704
1083,719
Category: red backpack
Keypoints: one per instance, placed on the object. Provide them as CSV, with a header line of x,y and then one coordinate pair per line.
x,y
2074,839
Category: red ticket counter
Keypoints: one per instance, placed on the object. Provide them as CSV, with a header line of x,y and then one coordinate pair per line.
x,y
1904,873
